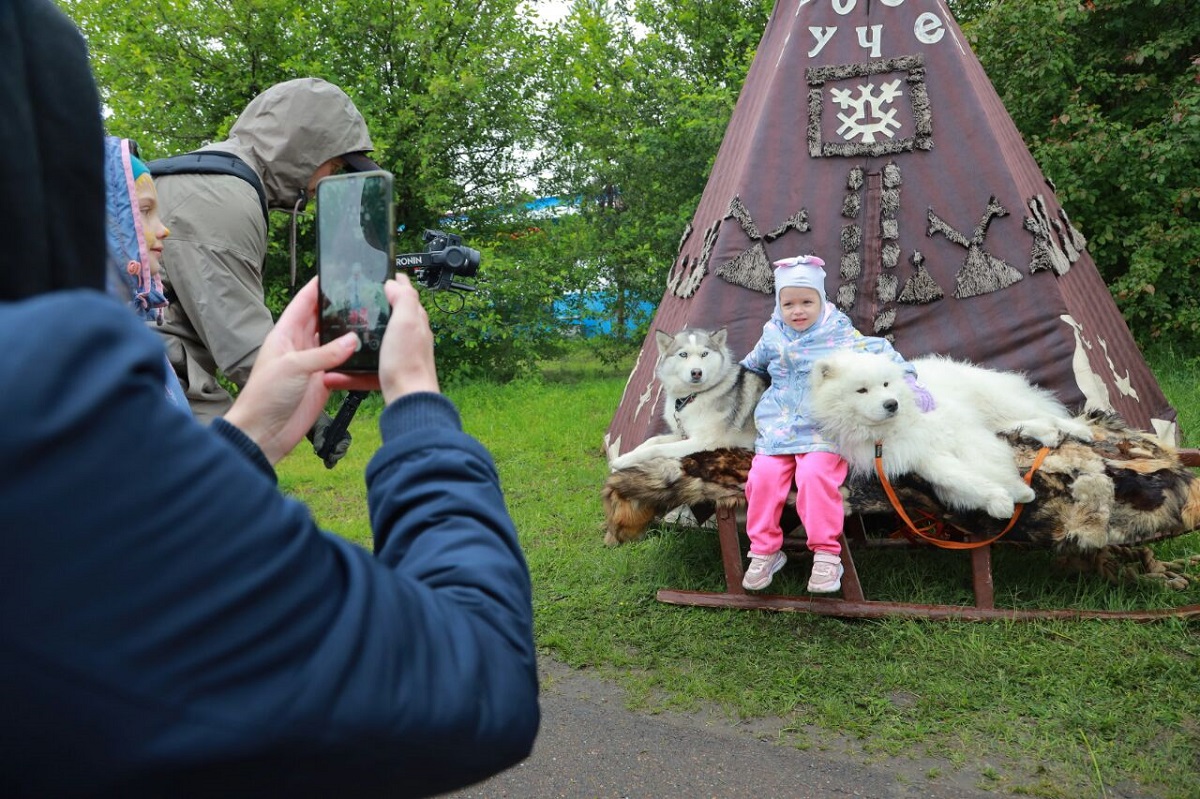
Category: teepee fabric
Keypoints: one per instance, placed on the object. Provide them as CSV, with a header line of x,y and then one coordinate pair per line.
x,y
868,134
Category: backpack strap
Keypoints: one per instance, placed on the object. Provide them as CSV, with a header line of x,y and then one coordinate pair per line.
x,y
211,162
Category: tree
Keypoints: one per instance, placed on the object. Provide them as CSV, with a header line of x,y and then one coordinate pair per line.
x,y
1108,98
638,97
446,87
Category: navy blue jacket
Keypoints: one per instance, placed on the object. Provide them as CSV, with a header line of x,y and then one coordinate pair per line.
x,y
172,625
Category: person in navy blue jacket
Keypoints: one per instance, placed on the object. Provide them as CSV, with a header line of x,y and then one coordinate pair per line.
x,y
171,624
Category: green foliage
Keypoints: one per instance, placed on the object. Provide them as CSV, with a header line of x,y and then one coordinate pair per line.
x,y
1108,98
637,100
174,74
446,89
499,332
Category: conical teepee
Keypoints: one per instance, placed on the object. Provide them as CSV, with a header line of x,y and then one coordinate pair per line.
x,y
867,133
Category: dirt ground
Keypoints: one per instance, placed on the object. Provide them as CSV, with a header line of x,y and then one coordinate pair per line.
x,y
592,747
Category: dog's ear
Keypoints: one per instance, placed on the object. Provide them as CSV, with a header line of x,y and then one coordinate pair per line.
x,y
663,340
822,370
720,336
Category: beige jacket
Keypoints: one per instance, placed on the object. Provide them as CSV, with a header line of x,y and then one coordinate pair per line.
x,y
213,258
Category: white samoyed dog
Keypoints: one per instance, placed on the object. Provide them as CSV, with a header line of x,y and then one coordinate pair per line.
x,y
859,399
708,398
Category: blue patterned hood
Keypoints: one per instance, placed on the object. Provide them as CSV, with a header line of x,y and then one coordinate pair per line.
x,y
129,274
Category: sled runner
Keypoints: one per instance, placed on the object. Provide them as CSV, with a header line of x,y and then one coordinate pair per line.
x,y
854,604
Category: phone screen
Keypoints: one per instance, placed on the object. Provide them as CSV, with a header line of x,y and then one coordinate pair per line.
x,y
354,259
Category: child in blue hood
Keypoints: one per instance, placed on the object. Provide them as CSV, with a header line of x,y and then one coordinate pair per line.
x,y
135,230
803,328
135,236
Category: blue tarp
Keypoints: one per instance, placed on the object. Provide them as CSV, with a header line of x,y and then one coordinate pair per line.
x,y
590,314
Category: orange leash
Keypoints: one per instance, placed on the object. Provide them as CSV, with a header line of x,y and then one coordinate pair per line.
x,y
945,544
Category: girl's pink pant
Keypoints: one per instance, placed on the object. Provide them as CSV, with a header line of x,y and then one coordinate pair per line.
x,y
818,502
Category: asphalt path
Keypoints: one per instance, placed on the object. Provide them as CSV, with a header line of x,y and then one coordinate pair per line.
x,y
591,746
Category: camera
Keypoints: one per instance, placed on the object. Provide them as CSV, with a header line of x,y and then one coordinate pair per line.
x,y
444,260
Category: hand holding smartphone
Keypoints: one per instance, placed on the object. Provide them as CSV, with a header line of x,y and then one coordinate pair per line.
x,y
355,257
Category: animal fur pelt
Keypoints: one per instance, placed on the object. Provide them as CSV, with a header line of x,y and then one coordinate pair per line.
x,y
1122,488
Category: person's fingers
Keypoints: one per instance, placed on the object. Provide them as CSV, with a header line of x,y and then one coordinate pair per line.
x,y
406,362
407,309
400,290
327,356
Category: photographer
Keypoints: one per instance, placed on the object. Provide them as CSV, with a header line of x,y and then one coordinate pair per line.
x,y
170,623
289,137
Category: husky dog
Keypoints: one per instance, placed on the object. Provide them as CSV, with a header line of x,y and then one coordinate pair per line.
x,y
859,399
708,398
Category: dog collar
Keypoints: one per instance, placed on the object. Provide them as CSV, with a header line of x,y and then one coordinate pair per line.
x,y
682,402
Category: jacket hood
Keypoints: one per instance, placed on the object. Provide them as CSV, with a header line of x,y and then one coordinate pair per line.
x,y
51,155
126,243
292,128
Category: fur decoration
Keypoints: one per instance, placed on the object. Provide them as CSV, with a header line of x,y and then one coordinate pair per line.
x,y
797,221
687,234
750,269
845,296
855,178
851,206
921,287
981,272
1123,488
892,178
738,210
851,238
685,278
851,266
884,321
885,289
890,255
912,66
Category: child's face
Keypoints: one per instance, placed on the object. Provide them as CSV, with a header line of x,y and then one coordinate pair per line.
x,y
799,307
153,229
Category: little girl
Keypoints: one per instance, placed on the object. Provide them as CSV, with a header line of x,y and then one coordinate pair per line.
x,y
803,328
135,231
135,237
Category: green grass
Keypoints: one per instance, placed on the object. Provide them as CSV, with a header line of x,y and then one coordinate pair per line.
x,y
1043,709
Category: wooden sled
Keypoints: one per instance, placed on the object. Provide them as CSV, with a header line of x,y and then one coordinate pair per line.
x,y
709,480
853,604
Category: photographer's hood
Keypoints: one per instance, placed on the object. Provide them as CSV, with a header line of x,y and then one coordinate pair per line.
x,y
292,128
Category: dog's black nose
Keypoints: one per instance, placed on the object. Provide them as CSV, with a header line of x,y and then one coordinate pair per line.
x,y
697,374
890,406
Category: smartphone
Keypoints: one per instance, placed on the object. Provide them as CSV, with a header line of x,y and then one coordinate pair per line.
x,y
355,257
